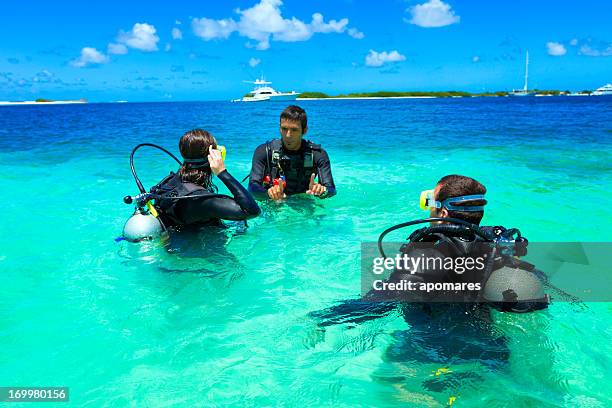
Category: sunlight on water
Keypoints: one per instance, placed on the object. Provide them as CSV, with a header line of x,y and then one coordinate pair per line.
x,y
221,317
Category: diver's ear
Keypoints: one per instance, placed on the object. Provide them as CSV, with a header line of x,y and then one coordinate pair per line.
x,y
305,130
444,213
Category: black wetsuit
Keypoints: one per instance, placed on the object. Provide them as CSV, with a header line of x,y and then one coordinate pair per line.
x,y
205,207
273,160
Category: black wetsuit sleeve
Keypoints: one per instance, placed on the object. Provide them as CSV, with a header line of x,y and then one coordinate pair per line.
x,y
258,169
352,311
240,207
325,175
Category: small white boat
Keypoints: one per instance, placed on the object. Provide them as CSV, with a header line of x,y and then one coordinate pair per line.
x,y
524,91
604,90
264,92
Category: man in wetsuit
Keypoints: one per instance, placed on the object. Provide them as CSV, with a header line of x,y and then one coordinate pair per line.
x,y
290,165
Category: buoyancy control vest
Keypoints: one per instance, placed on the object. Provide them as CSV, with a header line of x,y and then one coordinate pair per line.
x,y
507,282
169,189
295,168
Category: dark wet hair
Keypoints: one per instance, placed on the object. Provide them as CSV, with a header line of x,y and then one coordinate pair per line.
x,y
455,186
296,114
194,145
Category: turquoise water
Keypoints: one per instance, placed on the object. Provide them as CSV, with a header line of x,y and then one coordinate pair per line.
x,y
221,319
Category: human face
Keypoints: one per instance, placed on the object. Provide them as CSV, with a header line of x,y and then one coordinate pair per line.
x,y
291,133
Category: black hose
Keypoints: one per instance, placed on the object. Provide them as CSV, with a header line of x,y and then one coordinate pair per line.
x,y
468,226
138,182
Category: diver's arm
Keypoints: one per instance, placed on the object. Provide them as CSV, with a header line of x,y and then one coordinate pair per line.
x,y
325,175
352,311
258,168
241,196
241,207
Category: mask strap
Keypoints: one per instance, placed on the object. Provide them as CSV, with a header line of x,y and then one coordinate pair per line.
x,y
468,208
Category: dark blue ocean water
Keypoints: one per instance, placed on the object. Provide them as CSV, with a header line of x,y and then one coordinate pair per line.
x,y
222,319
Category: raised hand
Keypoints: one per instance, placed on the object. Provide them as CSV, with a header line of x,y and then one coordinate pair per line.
x,y
276,192
215,159
315,188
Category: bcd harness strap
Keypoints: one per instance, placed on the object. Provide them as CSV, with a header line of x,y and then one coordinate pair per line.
x,y
274,156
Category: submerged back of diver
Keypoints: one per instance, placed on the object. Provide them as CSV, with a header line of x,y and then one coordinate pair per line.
x,y
454,198
201,159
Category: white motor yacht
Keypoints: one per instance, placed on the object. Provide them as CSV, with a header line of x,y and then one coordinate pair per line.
x,y
604,90
264,92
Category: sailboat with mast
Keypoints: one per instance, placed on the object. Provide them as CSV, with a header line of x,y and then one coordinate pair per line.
x,y
525,91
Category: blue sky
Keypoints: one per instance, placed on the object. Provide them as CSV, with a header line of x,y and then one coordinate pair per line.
x,y
203,50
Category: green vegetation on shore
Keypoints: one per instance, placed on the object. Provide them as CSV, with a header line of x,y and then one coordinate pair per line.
x,y
446,94
44,100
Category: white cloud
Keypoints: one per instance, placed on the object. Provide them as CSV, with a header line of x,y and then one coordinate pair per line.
x,y
318,24
574,41
141,37
475,58
168,47
253,62
209,29
89,56
377,59
595,52
264,22
434,13
177,34
355,33
177,22
117,49
555,49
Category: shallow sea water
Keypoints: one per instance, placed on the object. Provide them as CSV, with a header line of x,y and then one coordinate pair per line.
x,y
221,318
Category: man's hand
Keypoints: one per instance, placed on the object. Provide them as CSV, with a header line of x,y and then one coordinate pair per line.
x,y
215,159
276,192
315,188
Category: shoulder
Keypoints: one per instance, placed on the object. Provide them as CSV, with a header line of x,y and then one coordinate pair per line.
x,y
318,151
262,149
269,145
315,147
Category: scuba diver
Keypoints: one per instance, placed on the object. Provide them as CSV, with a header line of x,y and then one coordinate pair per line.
x,y
189,197
456,208
448,326
289,165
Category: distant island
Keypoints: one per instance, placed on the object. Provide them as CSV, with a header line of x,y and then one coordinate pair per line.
x,y
42,101
425,94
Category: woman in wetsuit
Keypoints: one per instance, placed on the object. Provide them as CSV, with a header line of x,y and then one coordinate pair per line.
x,y
194,179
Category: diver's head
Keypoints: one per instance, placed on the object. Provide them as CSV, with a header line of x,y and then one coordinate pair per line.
x,y
293,125
459,197
194,149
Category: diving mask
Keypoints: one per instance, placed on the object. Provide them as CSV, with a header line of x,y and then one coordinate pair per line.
x,y
203,162
223,151
428,202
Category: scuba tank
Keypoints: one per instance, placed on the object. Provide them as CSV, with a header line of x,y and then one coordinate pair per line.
x,y
142,226
145,223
